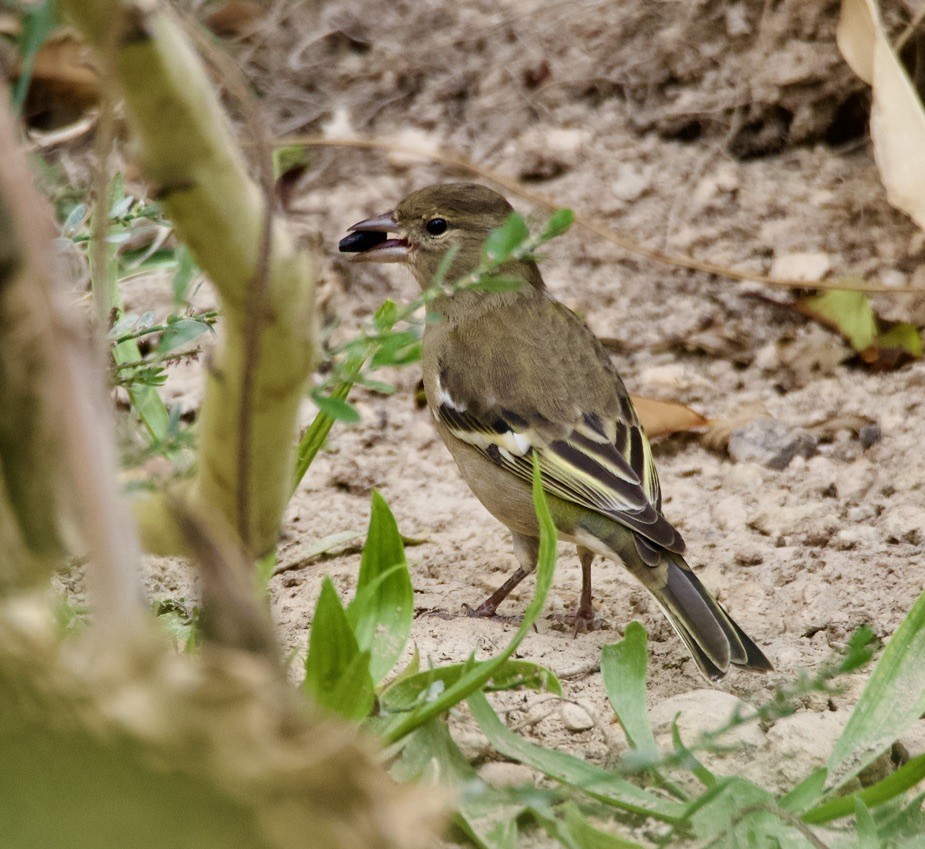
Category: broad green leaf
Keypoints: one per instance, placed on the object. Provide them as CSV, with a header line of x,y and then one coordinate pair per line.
x,y
336,671
408,693
396,348
504,240
479,673
74,219
740,813
381,620
845,311
558,223
865,827
483,813
893,699
623,668
596,781
904,336
386,315
180,331
337,408
895,784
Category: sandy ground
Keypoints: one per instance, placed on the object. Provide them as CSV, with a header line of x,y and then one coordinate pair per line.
x,y
728,131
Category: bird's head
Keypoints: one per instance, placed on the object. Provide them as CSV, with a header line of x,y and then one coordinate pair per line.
x,y
428,223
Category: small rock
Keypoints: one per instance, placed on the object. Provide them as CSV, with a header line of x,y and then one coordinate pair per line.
x,y
809,266
803,741
502,774
730,513
770,443
701,711
631,182
870,435
575,717
861,513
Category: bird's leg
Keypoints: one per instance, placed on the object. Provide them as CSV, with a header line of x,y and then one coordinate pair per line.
x,y
526,550
583,618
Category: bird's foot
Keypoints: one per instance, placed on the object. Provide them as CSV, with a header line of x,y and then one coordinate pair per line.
x,y
488,611
579,621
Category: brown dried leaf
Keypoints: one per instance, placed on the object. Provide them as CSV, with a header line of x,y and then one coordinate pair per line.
x,y
663,418
718,430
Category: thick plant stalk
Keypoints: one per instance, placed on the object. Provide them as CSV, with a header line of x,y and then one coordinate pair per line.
x,y
56,448
257,375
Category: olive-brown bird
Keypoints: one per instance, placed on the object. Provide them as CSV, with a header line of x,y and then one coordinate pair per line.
x,y
515,373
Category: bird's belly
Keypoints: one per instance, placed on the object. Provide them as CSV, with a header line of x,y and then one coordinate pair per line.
x,y
504,495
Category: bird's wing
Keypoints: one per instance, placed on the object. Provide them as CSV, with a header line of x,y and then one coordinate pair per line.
x,y
589,442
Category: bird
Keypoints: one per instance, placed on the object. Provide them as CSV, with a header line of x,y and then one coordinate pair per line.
x,y
511,374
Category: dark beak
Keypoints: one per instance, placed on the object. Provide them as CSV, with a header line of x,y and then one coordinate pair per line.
x,y
369,241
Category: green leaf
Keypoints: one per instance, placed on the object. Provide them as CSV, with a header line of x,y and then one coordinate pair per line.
x,y
597,782
847,312
408,693
74,219
37,22
397,348
740,813
179,331
337,408
809,790
498,283
504,240
179,284
386,315
319,547
558,223
481,672
904,336
895,784
865,827
381,620
574,831
623,668
892,701
336,671
485,815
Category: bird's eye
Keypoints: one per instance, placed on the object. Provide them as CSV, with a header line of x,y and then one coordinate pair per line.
x,y
436,226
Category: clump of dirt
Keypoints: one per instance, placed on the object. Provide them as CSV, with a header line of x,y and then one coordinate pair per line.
x,y
733,132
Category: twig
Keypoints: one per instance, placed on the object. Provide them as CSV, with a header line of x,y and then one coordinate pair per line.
x,y
456,160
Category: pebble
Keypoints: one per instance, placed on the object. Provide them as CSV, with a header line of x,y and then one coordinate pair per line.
x,y
770,443
870,435
631,182
803,741
701,711
576,717
809,266
503,774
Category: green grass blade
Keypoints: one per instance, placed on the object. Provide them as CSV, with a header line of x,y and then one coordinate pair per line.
x,y
892,701
315,434
623,668
381,619
480,673
597,782
895,784
808,791
574,831
38,22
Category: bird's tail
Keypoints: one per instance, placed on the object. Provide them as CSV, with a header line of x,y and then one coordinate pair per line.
x,y
710,633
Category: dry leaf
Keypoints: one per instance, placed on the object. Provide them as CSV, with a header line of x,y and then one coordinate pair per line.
x,y
662,418
897,118
65,82
719,430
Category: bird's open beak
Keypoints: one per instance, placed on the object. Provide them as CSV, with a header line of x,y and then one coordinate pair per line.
x,y
369,241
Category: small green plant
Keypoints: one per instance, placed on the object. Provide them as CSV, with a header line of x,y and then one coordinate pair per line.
x,y
353,650
641,790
